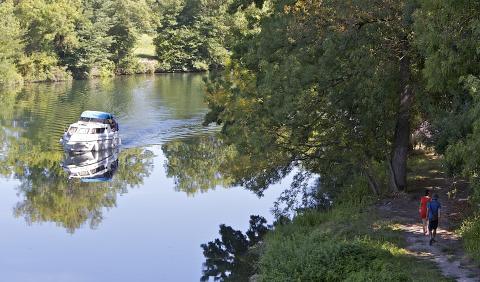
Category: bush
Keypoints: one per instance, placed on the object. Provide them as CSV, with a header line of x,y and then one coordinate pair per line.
x,y
317,258
470,232
127,65
146,66
42,67
104,69
8,74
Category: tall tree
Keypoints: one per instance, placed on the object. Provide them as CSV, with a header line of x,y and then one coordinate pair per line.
x,y
93,57
329,83
129,18
191,34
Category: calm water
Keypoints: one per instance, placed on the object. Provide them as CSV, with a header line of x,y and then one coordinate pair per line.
x,y
166,197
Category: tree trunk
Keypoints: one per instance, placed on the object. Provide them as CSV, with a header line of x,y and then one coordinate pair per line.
x,y
372,182
401,137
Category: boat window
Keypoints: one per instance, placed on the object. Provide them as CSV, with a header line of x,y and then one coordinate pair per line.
x,y
82,130
92,120
72,130
97,130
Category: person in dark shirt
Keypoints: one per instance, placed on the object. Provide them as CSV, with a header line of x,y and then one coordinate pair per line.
x,y
433,211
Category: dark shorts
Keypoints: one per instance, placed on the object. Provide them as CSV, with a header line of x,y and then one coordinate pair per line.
x,y
432,224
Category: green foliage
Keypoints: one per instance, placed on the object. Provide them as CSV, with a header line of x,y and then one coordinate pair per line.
x,y
8,74
49,40
50,26
448,33
145,48
470,232
92,57
10,44
191,35
41,66
90,38
318,84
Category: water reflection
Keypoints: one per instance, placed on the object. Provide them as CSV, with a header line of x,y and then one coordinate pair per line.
x,y
198,164
233,256
72,190
79,193
202,162
94,166
160,117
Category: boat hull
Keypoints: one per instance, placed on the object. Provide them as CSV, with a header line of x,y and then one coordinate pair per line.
x,y
94,166
90,145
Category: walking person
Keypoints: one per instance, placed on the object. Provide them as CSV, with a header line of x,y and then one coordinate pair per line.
x,y
423,210
433,211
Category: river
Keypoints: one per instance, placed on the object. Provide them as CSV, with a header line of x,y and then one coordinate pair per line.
x,y
146,221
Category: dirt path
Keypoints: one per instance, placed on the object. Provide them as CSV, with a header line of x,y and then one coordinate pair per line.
x,y
402,212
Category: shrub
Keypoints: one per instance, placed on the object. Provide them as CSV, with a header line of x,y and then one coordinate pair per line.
x,y
146,66
319,257
42,67
127,65
470,232
8,74
104,69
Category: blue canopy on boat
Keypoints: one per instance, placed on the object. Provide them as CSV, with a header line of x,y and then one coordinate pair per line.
x,y
96,114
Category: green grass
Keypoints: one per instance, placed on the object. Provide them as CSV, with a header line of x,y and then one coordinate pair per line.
x,y
145,48
348,243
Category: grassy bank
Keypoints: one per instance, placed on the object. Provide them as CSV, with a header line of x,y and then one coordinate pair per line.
x,y
349,242
363,239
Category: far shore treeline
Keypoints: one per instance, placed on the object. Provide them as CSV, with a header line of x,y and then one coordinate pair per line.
x,y
56,40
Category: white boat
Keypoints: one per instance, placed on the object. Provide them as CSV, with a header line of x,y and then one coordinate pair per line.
x,y
94,166
94,131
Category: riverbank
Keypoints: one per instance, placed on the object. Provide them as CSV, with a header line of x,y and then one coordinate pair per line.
x,y
365,239
41,68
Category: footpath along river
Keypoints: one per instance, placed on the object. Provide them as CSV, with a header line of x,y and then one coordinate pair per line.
x,y
165,198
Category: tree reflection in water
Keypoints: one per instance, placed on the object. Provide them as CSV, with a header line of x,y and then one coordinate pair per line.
x,y
197,163
200,163
233,256
50,196
31,121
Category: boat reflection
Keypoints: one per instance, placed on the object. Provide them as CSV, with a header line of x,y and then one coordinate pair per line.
x,y
94,166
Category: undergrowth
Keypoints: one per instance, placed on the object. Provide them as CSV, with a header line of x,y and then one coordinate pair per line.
x,y
470,232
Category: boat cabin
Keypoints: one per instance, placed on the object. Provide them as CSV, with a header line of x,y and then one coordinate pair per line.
x,y
94,131
94,122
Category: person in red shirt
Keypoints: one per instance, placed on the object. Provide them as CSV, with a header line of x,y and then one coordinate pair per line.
x,y
423,210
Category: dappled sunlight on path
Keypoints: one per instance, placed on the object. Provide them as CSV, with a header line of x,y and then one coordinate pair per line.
x,y
446,252
400,212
